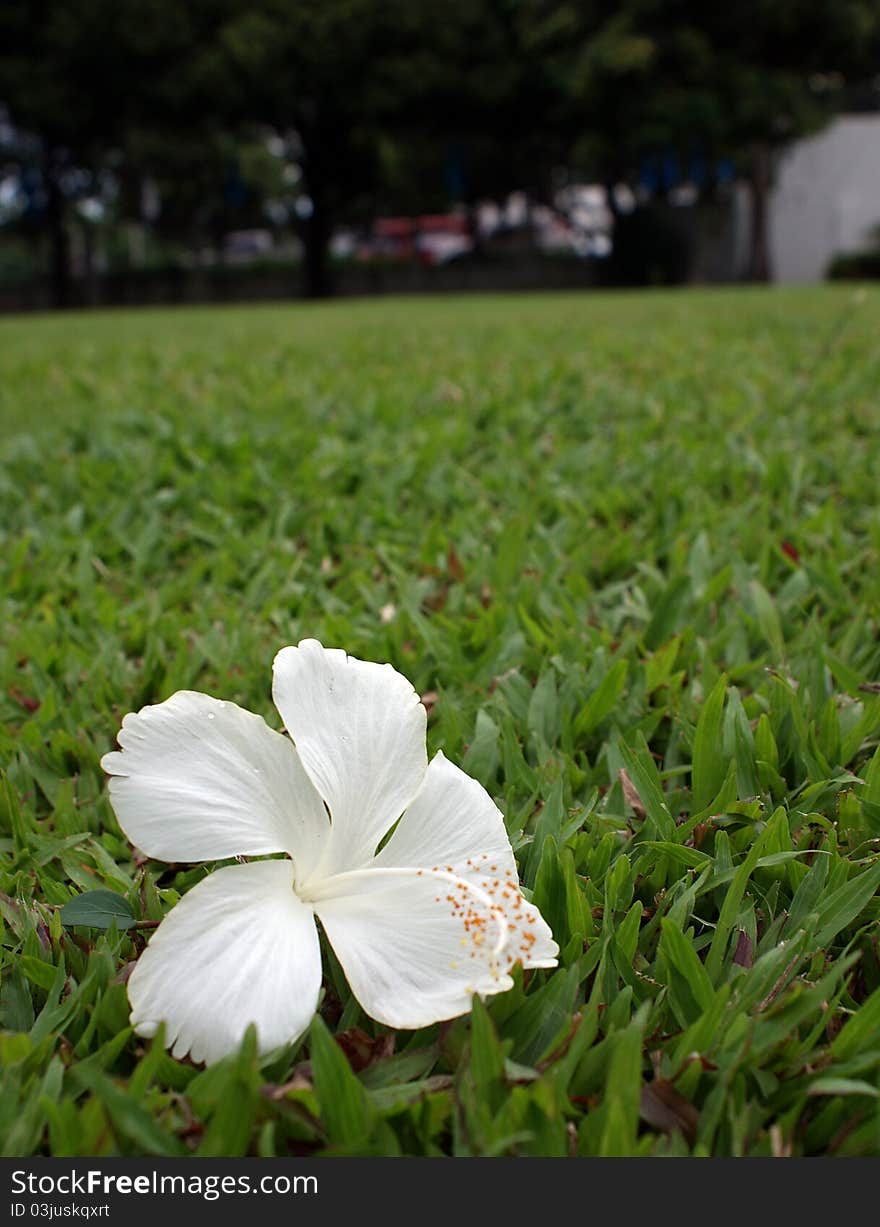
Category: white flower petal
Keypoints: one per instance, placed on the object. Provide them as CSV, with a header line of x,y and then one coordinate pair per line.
x,y
451,821
360,731
415,945
199,779
453,824
529,940
239,948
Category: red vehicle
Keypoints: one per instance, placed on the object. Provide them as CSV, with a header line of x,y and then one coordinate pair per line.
x,y
433,237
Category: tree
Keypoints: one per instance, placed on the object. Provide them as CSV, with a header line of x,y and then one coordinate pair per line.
x,y
394,101
410,101
85,74
318,69
740,81
477,102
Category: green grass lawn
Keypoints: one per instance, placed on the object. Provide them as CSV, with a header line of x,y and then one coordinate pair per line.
x,y
631,544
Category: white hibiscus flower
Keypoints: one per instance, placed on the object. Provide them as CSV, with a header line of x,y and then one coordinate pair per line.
x,y
418,927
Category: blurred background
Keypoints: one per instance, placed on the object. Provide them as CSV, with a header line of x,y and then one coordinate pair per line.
x,y
156,151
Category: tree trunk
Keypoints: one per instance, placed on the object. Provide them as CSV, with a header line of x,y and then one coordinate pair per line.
x,y
609,184
472,222
59,238
760,182
319,275
90,270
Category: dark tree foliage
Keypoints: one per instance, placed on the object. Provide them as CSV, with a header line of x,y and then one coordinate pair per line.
x,y
408,104
397,103
738,81
322,70
90,76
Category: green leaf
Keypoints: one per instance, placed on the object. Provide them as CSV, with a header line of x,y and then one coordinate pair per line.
x,y
539,1020
601,702
659,665
691,858
686,976
130,1120
768,618
765,743
37,971
401,1068
730,907
548,826
557,896
622,1094
871,776
841,908
482,757
644,775
709,766
843,1086
486,1056
543,713
98,909
16,1005
345,1106
232,1119
667,612
861,1030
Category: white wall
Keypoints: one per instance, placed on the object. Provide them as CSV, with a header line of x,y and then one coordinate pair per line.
x,y
826,199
